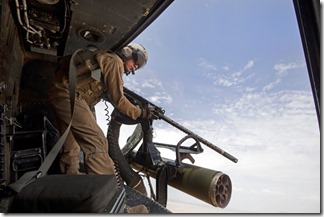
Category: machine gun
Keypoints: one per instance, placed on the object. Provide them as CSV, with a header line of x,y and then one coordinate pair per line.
x,y
213,187
159,113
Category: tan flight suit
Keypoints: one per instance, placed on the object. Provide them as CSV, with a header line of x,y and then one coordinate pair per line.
x,y
85,132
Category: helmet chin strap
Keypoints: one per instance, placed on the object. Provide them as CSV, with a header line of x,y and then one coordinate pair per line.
x,y
127,73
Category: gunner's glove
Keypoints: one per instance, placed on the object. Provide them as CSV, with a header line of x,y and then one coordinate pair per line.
x,y
147,112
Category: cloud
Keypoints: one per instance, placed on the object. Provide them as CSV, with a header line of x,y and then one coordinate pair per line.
x,y
225,77
282,70
270,124
226,82
151,89
207,65
271,85
134,84
151,83
160,97
249,65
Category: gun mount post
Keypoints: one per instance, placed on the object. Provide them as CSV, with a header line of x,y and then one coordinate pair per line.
x,y
147,151
148,154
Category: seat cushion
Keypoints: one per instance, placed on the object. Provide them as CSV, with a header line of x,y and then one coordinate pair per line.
x,y
66,194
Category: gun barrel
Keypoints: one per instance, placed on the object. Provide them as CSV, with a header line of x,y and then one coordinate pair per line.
x,y
204,141
210,186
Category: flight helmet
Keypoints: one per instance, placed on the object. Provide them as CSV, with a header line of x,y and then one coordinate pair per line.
x,y
135,51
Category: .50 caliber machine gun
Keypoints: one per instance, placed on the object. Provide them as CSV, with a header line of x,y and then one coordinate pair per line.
x,y
213,187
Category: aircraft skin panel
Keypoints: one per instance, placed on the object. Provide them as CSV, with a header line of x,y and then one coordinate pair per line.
x,y
50,29
113,20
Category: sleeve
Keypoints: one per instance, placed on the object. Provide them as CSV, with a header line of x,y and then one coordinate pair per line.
x,y
113,69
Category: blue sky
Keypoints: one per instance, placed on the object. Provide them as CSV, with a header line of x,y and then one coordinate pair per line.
x,y
234,72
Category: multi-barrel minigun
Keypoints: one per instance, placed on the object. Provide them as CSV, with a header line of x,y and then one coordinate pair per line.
x,y
213,187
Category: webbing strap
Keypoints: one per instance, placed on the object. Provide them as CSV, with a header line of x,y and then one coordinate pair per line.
x,y
31,176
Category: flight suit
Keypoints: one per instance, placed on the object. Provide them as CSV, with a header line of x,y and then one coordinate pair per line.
x,y
85,133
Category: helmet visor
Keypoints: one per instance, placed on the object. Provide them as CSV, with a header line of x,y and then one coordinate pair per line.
x,y
139,58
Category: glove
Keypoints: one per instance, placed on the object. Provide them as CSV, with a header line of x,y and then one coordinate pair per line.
x,y
147,112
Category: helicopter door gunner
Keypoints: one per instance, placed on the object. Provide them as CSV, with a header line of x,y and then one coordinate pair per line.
x,y
85,133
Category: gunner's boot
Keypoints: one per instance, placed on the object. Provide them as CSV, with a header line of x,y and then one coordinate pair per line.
x,y
136,209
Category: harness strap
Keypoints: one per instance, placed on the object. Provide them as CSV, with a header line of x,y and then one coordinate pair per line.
x,y
31,176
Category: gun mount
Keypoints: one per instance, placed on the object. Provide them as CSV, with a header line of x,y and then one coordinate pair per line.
x,y
210,186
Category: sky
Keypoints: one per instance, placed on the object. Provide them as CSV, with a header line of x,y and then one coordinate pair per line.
x,y
234,73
